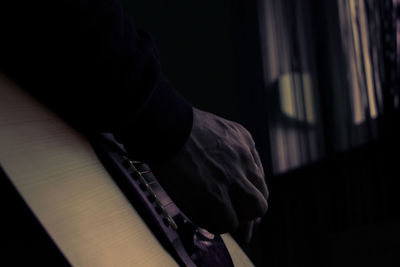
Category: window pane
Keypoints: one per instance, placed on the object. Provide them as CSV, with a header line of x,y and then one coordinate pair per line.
x,y
350,45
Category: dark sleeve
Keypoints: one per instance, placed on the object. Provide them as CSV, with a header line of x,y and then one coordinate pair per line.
x,y
88,62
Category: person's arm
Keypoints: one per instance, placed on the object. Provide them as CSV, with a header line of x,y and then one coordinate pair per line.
x,y
86,60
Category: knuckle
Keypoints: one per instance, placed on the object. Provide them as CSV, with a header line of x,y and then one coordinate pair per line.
x,y
243,130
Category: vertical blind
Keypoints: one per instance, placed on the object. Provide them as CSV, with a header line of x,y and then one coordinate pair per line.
x,y
364,58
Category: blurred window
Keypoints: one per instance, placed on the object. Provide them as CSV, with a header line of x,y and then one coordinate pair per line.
x,y
310,118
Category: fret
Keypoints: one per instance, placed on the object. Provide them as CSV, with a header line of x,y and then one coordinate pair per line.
x,y
174,225
154,191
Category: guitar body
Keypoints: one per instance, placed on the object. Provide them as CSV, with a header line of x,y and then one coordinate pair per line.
x,y
60,178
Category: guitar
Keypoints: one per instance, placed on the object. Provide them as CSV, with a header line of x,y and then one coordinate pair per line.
x,y
58,175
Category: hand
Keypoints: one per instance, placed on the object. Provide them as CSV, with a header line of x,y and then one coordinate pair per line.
x,y
217,178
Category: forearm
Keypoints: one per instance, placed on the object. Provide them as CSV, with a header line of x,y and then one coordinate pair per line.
x,y
87,61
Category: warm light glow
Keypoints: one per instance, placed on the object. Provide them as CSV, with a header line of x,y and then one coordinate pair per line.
x,y
286,93
367,60
363,74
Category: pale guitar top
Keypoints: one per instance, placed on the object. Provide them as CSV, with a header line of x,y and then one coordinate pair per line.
x,y
60,178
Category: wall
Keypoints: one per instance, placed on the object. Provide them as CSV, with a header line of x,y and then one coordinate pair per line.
x,y
194,40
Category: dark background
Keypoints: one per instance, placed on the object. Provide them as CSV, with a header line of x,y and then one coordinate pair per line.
x,y
195,41
340,210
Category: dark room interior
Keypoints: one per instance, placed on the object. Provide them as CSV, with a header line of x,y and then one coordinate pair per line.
x,y
317,85
315,82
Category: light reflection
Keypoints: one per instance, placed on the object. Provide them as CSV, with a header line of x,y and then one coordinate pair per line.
x,y
355,66
278,148
396,18
289,74
286,95
296,96
363,76
294,137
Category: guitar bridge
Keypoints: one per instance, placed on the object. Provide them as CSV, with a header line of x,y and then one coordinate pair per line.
x,y
146,186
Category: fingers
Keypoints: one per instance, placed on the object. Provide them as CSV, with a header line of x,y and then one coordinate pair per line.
x,y
217,178
255,168
198,191
251,168
251,193
257,160
248,202
220,216
255,174
244,232
257,178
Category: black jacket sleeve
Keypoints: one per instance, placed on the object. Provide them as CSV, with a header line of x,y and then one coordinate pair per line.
x,y
87,61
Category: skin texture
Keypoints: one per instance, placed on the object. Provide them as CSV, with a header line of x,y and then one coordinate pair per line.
x,y
217,178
